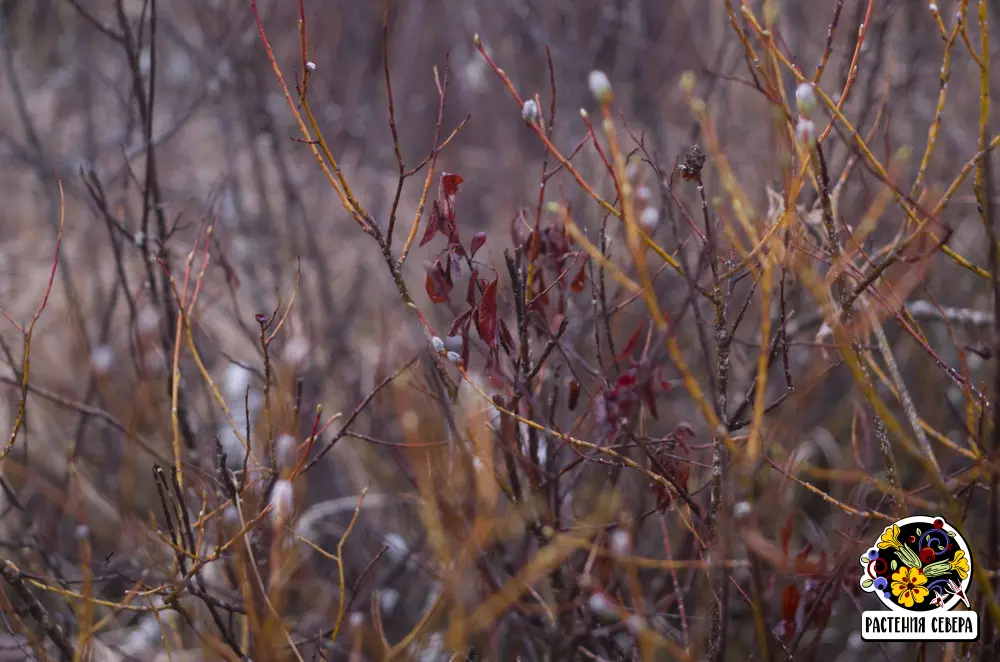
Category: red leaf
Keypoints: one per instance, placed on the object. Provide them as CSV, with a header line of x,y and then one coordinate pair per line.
x,y
786,535
506,339
542,298
478,240
439,283
449,188
520,231
470,295
486,315
581,277
434,289
647,391
630,345
450,182
459,321
789,602
574,394
434,223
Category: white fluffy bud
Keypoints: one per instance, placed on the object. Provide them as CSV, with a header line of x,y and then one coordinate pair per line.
x,y
805,98
602,605
296,351
529,111
102,359
649,218
285,448
282,499
805,131
600,87
621,542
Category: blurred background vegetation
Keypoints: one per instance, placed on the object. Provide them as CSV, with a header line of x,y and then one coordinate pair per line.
x,y
70,108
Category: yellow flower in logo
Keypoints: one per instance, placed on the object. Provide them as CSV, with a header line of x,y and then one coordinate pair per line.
x,y
908,586
890,538
960,564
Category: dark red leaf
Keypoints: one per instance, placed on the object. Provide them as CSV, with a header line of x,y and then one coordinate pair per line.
x,y
581,277
449,183
506,338
574,394
520,231
789,602
647,391
478,240
434,289
630,345
802,562
459,321
434,223
439,283
625,382
542,299
786,535
470,295
449,188
486,315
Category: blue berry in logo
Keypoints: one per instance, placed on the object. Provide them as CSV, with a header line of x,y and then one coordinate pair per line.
x,y
880,583
872,554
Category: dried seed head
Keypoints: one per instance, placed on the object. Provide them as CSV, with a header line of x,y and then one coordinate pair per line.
x,y
438,345
805,98
694,161
529,112
600,87
310,66
455,358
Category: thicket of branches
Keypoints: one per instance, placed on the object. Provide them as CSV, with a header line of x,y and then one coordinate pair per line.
x,y
491,331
